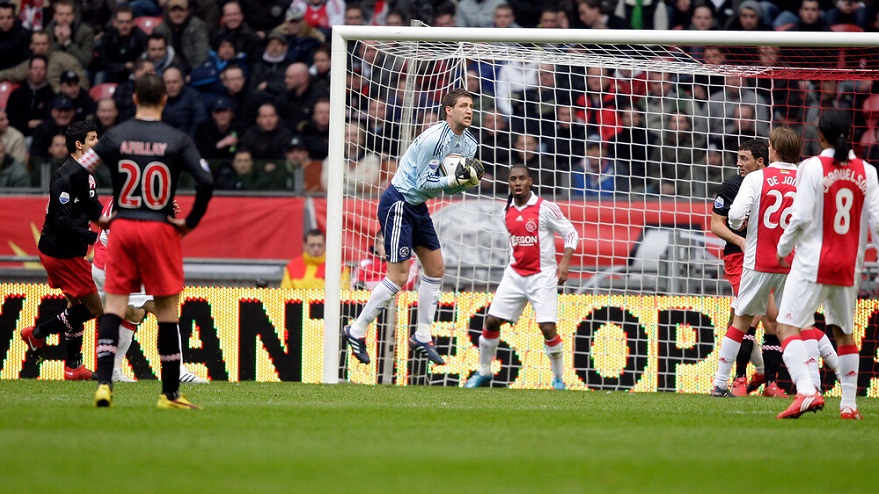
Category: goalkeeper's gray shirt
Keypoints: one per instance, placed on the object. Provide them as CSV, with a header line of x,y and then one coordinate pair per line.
x,y
421,175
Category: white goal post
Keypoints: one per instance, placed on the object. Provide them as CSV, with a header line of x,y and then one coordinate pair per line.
x,y
648,234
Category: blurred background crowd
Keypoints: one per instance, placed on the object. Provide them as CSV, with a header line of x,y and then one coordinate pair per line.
x,y
248,80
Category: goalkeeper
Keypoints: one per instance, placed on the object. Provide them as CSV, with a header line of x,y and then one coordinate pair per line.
x,y
426,169
531,276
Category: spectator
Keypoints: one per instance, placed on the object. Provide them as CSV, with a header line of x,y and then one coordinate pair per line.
x,y
679,13
217,137
184,109
308,271
234,82
206,77
233,24
264,15
14,38
702,19
61,113
723,102
534,110
268,72
68,35
513,78
320,69
631,147
568,137
644,14
267,140
396,18
209,12
663,99
444,14
316,132
302,39
849,12
297,101
593,16
83,104
680,159
124,92
362,172
355,15
106,115
599,103
12,139
549,18
12,172
324,14
41,174
809,19
289,175
119,48
28,104
382,134
748,19
186,33
159,53
595,175
240,175
504,17
56,64
526,151
494,145
477,13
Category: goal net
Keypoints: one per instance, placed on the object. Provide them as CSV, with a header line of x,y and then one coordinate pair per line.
x,y
631,133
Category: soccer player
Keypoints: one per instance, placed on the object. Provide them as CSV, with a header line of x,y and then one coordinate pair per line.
x,y
146,157
139,304
753,155
63,245
837,202
765,197
531,276
406,223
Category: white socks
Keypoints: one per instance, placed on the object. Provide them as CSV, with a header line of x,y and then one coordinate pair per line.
x,y
381,295
487,350
729,349
428,298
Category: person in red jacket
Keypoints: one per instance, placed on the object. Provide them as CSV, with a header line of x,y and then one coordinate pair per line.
x,y
308,271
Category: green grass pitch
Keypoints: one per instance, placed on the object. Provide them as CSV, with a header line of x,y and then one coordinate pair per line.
x,y
295,438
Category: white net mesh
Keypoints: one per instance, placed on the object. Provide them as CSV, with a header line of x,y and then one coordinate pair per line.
x,y
633,143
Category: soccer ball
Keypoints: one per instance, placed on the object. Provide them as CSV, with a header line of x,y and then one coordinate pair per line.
x,y
451,162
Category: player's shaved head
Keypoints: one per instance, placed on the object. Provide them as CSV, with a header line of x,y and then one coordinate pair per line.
x,y
149,90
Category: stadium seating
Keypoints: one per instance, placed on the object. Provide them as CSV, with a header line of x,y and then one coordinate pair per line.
x,y
102,91
147,24
6,89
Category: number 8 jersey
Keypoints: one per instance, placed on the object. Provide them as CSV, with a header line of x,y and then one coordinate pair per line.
x,y
835,204
145,158
765,198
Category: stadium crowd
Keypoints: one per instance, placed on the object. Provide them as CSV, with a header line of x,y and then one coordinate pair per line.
x,y
248,80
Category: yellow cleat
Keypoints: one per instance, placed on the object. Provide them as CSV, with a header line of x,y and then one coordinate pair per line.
x,y
181,402
103,396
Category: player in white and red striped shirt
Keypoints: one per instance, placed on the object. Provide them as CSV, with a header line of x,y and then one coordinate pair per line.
x,y
837,201
531,276
765,197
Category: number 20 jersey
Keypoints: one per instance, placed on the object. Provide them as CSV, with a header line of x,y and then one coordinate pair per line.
x,y
146,158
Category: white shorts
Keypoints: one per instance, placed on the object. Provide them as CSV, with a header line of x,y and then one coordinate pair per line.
x,y
802,298
515,290
138,299
754,290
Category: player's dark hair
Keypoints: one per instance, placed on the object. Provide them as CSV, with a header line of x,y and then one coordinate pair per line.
x,y
451,98
786,143
77,132
836,127
314,232
527,174
149,89
757,148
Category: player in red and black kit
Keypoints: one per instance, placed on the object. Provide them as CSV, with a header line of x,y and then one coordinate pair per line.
x,y
63,245
753,155
146,157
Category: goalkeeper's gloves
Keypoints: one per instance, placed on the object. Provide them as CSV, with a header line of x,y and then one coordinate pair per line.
x,y
469,173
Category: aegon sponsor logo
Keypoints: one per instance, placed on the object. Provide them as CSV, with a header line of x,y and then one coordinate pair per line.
x,y
523,240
